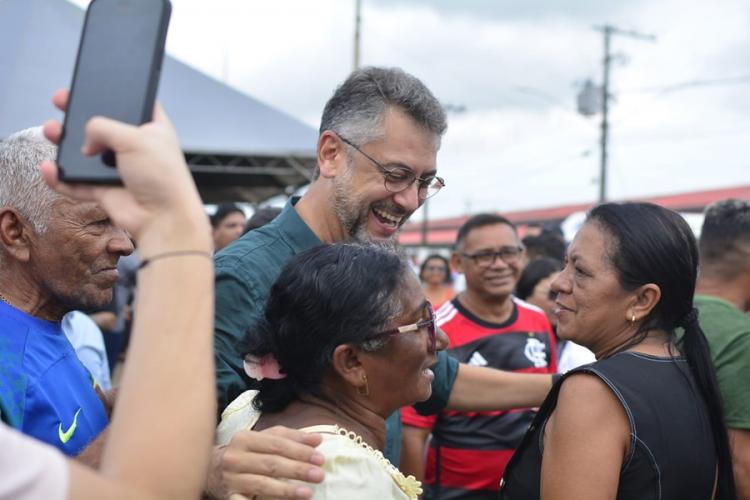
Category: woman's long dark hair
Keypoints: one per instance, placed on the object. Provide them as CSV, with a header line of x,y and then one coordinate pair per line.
x,y
652,244
324,297
534,272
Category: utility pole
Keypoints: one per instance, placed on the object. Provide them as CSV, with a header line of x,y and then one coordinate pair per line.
x,y
357,23
609,30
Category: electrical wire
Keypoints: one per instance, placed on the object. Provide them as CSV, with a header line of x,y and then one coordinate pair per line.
x,y
707,82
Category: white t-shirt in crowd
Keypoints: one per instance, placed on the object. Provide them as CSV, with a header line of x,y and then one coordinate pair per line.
x,y
572,356
29,469
88,341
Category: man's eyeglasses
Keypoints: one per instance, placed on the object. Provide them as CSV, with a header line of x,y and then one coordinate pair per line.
x,y
415,327
397,179
509,255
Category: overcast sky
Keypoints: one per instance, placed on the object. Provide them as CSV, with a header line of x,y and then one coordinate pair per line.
x,y
515,66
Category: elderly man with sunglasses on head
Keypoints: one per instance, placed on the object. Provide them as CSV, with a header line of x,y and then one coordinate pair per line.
x,y
377,154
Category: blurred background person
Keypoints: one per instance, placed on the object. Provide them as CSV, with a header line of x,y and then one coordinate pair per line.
x,y
227,223
87,340
261,217
644,421
435,275
534,288
339,350
548,243
125,299
723,299
487,327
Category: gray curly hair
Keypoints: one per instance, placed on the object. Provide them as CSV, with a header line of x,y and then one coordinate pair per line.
x,y
21,184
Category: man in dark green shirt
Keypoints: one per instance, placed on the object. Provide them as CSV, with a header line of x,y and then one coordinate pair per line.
x,y
377,151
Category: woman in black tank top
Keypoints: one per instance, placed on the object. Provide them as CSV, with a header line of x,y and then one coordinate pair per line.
x,y
644,421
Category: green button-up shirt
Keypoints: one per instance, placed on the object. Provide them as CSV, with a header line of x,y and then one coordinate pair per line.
x,y
245,272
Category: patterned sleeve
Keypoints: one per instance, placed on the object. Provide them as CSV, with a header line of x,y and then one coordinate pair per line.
x,y
354,472
409,416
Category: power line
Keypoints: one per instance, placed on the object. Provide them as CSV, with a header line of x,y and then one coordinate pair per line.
x,y
608,31
707,82
715,134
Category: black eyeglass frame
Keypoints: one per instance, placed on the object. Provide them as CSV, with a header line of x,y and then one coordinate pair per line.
x,y
509,255
433,183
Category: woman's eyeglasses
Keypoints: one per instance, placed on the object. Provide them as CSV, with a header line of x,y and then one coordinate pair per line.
x,y
436,269
415,327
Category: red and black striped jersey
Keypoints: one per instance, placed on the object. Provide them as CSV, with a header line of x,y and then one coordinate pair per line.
x,y
469,450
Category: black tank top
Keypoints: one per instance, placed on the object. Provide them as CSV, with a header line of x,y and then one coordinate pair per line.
x,y
671,454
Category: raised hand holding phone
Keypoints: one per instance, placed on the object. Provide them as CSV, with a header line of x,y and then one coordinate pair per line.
x,y
116,75
158,188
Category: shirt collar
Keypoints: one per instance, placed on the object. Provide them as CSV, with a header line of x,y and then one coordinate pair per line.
x,y
295,231
11,313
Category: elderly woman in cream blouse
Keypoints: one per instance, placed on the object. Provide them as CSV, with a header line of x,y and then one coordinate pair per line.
x,y
348,338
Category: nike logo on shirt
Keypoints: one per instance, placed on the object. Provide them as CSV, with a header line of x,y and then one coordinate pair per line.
x,y
66,435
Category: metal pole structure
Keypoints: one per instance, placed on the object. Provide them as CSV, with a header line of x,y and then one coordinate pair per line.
x,y
608,31
357,23
605,109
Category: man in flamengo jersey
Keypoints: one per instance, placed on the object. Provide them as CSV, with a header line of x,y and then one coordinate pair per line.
x,y
486,326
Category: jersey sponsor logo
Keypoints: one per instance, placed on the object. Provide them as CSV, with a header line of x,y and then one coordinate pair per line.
x,y
536,352
66,435
477,359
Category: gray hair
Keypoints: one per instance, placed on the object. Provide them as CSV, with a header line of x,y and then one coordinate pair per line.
x,y
358,105
21,183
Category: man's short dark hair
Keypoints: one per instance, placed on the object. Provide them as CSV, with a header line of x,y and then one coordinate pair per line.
x,y
547,244
481,220
725,239
533,273
261,217
222,211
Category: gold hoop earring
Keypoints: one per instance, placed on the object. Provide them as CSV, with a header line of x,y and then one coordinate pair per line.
x,y
364,391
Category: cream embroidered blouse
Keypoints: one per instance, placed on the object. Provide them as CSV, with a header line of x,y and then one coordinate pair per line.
x,y
353,468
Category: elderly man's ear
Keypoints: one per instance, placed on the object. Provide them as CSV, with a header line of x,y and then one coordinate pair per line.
x,y
15,234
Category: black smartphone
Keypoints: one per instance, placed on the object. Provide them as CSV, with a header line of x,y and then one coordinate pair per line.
x,y
116,75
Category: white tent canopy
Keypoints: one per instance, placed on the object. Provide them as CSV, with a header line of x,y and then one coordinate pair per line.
x,y
238,148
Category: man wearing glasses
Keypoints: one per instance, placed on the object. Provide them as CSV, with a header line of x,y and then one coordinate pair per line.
x,y
376,154
487,327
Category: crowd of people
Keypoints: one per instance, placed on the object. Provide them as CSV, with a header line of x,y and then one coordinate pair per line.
x,y
298,355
